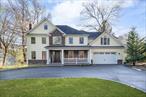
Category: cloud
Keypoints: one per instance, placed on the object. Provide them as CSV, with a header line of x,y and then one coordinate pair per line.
x,y
67,12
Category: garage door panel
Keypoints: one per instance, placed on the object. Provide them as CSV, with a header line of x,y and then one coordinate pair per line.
x,y
104,58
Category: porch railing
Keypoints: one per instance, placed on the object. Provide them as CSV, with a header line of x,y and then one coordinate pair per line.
x,y
76,60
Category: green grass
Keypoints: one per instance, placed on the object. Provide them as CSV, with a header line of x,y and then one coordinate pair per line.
x,y
66,87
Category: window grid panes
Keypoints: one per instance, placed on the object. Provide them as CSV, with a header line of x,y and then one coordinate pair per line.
x,y
70,40
81,40
32,40
33,55
45,27
105,41
43,40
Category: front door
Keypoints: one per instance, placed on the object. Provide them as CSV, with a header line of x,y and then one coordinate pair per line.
x,y
56,57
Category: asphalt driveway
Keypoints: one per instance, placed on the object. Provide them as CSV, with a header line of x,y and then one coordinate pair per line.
x,y
117,73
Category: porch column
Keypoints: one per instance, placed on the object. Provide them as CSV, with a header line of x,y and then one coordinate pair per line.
x,y
62,56
48,58
89,56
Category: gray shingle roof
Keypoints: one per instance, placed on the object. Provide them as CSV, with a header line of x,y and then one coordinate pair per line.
x,y
93,35
69,30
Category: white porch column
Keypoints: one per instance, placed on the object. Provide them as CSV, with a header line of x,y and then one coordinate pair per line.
x,y
62,56
48,58
89,56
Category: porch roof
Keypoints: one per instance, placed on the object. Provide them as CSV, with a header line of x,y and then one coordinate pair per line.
x,y
80,47
68,47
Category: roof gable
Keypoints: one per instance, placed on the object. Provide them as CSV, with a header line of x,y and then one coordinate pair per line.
x,y
39,28
114,41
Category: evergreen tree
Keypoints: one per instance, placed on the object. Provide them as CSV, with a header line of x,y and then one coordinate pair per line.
x,y
135,47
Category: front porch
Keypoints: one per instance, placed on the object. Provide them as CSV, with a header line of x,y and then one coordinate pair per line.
x,y
68,57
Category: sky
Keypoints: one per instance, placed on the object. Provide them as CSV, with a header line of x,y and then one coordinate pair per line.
x,y
67,12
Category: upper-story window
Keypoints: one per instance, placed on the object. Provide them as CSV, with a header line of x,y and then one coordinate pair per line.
x,y
33,55
32,40
43,40
81,40
45,27
70,40
105,41
57,40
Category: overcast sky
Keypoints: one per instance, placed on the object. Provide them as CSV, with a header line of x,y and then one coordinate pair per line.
x,y
67,12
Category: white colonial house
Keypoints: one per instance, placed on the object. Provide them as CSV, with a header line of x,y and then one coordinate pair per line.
x,y
63,45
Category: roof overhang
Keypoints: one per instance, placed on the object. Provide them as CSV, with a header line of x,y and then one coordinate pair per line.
x,y
82,47
68,47
108,47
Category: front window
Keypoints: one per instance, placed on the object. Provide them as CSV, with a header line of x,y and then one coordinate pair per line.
x,y
32,40
70,54
43,55
70,40
81,40
81,54
57,40
45,27
105,41
101,41
33,55
43,40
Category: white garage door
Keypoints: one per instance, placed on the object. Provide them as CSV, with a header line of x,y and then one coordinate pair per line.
x,y
105,58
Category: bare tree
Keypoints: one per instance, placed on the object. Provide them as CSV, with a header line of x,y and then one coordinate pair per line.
x,y
37,11
101,16
26,12
7,32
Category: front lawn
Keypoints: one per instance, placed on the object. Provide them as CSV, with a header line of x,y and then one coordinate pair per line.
x,y
66,87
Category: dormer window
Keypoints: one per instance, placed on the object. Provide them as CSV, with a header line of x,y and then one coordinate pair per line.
x,y
105,41
45,27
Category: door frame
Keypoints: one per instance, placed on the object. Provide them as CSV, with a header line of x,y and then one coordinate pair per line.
x,y
53,56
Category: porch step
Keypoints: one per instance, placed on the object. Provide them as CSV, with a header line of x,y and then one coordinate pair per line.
x,y
55,64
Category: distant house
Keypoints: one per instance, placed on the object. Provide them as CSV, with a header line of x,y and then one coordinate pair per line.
x,y
10,60
63,45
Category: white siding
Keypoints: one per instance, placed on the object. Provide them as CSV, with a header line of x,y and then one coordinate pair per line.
x,y
76,41
38,33
38,46
40,29
113,42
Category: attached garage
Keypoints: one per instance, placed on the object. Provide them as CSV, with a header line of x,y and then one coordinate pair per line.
x,y
105,58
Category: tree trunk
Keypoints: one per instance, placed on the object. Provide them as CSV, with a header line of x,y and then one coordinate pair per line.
x,y
23,47
5,55
134,63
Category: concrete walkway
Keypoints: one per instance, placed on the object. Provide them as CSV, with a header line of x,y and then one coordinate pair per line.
x,y
117,73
